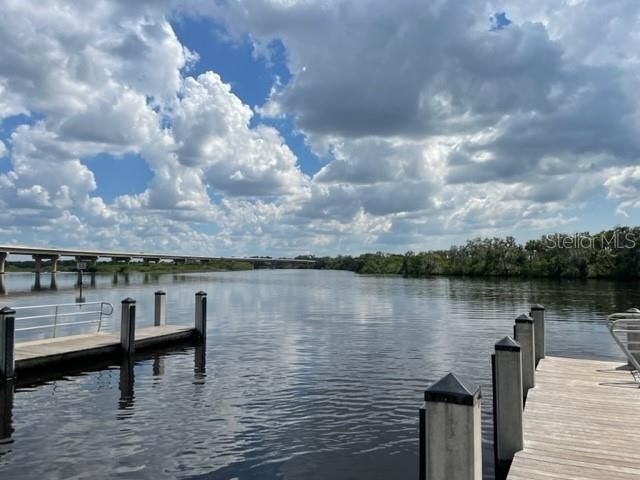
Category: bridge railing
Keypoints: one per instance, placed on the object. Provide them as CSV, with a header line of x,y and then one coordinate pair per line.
x,y
62,315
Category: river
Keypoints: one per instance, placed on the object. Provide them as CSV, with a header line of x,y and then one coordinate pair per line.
x,y
308,374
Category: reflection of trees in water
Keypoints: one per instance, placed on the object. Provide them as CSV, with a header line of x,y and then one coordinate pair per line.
x,y
598,297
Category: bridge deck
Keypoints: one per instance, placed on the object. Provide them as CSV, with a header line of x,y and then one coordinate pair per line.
x,y
582,420
39,353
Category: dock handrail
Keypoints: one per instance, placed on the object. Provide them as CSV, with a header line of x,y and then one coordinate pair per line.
x,y
627,323
98,309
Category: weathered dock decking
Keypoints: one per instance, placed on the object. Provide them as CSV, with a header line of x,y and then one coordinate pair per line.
x,y
39,353
581,421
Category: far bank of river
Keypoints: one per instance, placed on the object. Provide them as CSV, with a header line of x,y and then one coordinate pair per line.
x,y
141,267
309,374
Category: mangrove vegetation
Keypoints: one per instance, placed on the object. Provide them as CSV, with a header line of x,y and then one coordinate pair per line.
x,y
608,254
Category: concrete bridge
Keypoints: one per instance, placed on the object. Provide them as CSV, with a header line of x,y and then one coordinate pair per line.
x,y
91,256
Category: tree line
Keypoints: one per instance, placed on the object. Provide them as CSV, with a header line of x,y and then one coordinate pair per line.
x,y
611,253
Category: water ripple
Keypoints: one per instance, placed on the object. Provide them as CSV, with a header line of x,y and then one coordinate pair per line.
x,y
308,375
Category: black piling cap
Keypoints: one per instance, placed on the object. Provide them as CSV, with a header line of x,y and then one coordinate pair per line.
x,y
200,293
128,300
537,306
507,344
160,292
524,318
7,311
450,389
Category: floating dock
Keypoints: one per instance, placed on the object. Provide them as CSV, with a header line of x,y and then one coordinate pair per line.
x,y
582,420
41,353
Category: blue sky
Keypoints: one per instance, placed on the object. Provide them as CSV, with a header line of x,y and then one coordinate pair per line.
x,y
269,127
251,78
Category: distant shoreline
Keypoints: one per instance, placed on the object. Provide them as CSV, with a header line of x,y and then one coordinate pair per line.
x,y
163,267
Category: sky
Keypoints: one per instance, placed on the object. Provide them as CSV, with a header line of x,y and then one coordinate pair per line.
x,y
287,127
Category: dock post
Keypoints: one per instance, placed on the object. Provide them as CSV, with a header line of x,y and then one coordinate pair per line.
x,y
6,409
506,367
525,335
160,308
126,383
450,431
128,326
201,314
200,362
7,343
537,313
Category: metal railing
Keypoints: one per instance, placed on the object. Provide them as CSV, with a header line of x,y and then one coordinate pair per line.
x,y
59,314
625,330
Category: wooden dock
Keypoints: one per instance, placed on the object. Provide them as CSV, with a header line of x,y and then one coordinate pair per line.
x,y
581,421
39,353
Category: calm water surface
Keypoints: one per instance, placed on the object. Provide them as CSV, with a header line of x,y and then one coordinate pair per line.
x,y
305,375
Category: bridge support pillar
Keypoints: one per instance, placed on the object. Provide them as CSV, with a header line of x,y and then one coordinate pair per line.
x,y
3,259
7,343
37,286
54,263
38,263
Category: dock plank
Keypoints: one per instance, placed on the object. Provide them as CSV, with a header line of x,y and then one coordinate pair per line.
x,y
37,353
581,421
